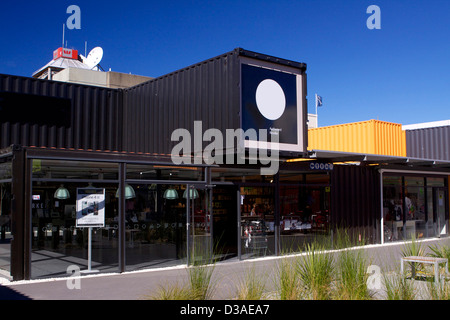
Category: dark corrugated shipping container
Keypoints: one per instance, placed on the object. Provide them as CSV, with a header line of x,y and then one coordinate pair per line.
x,y
139,119
53,114
355,200
429,143
209,91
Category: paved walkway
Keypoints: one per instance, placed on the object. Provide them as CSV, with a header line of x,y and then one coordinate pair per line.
x,y
144,284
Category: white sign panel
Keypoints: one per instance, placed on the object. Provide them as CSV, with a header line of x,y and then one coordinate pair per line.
x,y
90,207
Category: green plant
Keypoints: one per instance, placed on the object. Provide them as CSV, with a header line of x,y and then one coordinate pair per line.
x,y
414,248
201,287
201,272
251,287
439,251
439,290
316,272
171,292
352,277
288,285
397,287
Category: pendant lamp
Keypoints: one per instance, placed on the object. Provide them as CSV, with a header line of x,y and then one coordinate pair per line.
x,y
62,193
170,194
193,194
129,192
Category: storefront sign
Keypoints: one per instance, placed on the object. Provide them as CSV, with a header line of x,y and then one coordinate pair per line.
x,y
321,166
90,207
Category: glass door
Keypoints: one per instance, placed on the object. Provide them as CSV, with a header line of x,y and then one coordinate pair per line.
x,y
257,222
198,212
225,215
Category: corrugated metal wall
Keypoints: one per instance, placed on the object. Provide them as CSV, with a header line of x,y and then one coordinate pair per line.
x,y
139,119
95,115
355,200
372,137
208,91
429,143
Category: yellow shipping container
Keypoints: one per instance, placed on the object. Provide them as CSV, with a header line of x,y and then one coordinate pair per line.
x,y
371,137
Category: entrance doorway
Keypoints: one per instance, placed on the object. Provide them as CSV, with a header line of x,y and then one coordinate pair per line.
x,y
225,217
257,221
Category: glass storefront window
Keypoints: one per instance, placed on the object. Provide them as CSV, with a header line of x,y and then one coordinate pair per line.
x,y
58,243
240,175
5,171
392,208
257,222
411,205
415,212
435,182
80,170
414,181
160,172
155,226
5,226
305,216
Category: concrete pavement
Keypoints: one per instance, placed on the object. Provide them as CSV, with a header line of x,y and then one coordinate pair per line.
x,y
140,285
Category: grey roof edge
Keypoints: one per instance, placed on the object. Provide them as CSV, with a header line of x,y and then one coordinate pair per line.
x,y
264,57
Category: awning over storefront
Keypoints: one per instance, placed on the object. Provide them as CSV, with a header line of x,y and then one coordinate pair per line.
x,y
373,159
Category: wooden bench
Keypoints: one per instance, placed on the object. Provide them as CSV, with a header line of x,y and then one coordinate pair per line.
x,y
428,260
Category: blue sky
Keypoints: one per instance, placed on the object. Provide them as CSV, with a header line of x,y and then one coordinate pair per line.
x,y
399,73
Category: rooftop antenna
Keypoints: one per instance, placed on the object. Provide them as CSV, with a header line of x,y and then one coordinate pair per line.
x,y
64,27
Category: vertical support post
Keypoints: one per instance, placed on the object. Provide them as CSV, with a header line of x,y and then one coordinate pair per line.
x,y
122,175
89,249
401,267
188,224
209,205
28,189
277,213
436,272
18,215
381,208
238,210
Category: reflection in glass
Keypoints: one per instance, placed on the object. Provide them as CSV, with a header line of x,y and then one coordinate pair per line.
x,y
392,208
160,172
62,169
155,226
5,226
257,222
410,207
56,241
415,211
305,216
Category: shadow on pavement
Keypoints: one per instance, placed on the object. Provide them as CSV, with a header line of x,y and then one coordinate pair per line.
x,y
7,293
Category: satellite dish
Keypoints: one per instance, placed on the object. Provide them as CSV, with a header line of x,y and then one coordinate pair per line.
x,y
94,57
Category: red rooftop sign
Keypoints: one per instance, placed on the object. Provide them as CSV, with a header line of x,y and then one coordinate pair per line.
x,y
65,53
